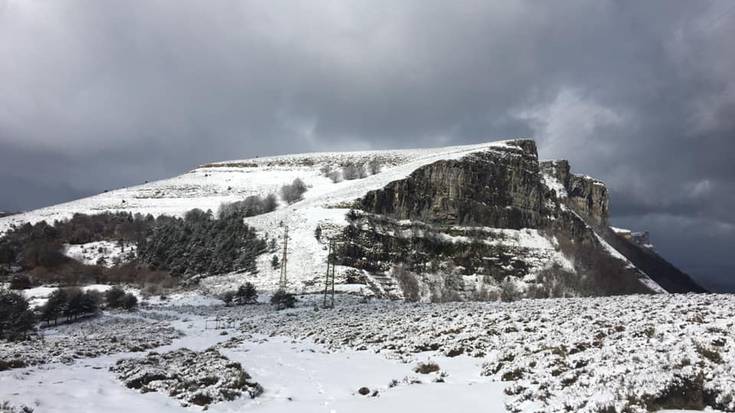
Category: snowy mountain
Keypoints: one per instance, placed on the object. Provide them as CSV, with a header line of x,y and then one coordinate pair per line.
x,y
462,222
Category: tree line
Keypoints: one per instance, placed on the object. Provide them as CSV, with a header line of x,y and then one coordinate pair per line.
x,y
17,319
198,243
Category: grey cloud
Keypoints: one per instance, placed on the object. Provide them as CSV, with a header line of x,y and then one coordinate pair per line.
x,y
101,94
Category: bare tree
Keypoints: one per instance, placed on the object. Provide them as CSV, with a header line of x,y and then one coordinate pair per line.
x,y
294,191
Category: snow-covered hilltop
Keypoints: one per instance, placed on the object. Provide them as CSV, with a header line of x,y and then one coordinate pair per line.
x,y
461,222
208,186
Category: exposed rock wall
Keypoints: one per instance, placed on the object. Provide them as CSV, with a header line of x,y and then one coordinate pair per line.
x,y
585,195
559,170
588,196
499,188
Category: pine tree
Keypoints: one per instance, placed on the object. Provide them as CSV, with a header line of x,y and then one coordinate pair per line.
x,y
246,294
228,297
90,302
129,302
73,307
114,297
282,300
54,306
16,319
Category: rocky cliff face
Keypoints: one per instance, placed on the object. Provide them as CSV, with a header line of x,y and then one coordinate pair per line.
x,y
499,188
462,219
585,195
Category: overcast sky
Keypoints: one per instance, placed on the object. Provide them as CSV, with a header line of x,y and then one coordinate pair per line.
x,y
100,94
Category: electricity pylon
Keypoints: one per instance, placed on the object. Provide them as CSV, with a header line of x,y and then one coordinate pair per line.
x,y
283,282
329,277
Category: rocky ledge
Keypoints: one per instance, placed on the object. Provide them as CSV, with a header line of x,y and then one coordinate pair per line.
x,y
194,378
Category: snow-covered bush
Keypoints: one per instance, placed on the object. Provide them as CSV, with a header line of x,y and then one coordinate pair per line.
x,y
352,171
116,297
282,300
294,191
509,291
246,294
250,206
195,378
129,302
374,166
426,367
330,173
6,407
408,283
227,297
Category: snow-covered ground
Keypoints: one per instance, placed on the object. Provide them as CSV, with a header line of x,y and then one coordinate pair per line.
x,y
298,375
105,253
582,355
37,296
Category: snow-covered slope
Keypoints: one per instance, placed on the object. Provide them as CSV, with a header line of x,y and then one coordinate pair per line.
x,y
210,185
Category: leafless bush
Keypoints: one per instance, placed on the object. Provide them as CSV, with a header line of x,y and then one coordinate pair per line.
x,y
374,166
485,294
509,291
294,191
426,368
556,281
353,171
408,283
330,173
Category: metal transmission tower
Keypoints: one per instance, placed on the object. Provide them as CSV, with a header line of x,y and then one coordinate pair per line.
x,y
283,282
329,278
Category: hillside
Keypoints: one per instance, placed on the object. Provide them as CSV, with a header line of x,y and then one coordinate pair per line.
x,y
462,222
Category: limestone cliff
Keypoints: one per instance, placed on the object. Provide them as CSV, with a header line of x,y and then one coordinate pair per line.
x,y
458,225
499,188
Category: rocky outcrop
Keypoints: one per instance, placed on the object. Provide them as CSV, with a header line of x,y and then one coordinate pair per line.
x,y
588,196
588,199
560,171
498,188
198,378
585,195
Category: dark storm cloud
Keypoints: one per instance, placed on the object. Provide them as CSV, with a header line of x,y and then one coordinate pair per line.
x,y
95,95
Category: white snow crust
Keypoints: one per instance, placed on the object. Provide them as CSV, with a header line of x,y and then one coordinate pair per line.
x,y
552,355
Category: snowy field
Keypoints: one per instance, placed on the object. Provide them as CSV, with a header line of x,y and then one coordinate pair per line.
x,y
105,253
613,354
